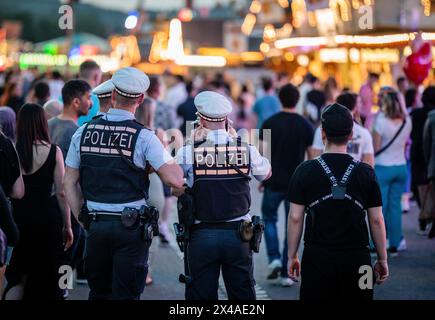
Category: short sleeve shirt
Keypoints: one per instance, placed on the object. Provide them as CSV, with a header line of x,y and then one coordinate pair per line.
x,y
260,166
342,223
387,129
148,149
360,145
61,132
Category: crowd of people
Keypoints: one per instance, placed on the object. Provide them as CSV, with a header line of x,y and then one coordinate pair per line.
x,y
41,112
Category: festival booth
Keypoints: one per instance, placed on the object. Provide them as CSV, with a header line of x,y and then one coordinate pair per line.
x,y
69,52
346,39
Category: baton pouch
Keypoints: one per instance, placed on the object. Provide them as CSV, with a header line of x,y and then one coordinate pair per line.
x,y
129,218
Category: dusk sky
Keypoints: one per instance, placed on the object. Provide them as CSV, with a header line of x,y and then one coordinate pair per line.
x,y
126,5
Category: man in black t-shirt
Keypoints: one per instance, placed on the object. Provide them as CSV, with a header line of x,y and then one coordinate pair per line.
x,y
336,192
291,138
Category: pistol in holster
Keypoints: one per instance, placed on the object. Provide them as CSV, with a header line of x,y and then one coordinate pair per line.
x,y
149,218
85,217
252,232
186,218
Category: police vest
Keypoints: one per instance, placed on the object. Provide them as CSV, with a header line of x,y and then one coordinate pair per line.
x,y
320,230
221,180
107,170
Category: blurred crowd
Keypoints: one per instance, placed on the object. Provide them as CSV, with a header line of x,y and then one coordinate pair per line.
x,y
40,111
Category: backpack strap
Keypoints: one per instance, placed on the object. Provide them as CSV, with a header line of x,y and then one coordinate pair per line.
x,y
338,188
327,171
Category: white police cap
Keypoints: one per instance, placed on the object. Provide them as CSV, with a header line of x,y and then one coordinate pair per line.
x,y
104,90
130,82
212,106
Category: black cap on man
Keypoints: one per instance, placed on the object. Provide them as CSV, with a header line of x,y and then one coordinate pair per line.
x,y
337,123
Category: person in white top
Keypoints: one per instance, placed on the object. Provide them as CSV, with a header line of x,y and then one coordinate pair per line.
x,y
177,93
361,145
392,129
56,84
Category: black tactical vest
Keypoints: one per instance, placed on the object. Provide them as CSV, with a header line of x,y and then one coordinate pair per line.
x,y
107,170
221,180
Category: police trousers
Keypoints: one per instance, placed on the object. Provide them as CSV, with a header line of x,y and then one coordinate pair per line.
x,y
209,252
116,261
336,275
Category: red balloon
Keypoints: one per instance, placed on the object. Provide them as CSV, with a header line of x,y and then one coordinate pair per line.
x,y
418,64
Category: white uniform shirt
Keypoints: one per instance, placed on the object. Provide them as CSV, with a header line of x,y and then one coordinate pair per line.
x,y
260,166
148,148
361,143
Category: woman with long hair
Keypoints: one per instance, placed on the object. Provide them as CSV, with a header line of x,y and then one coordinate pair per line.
x,y
33,270
392,129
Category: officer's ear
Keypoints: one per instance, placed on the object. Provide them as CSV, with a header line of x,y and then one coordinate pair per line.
x,y
201,122
112,97
140,99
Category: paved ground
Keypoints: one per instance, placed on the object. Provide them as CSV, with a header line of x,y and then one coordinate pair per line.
x,y
412,273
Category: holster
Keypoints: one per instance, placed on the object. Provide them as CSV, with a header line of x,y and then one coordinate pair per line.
x,y
258,230
85,217
246,230
149,219
186,218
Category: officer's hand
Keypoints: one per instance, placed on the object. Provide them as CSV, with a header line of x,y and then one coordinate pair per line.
x,y
261,187
68,237
178,191
381,272
294,269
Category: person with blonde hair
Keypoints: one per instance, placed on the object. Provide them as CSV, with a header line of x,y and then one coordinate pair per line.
x,y
392,129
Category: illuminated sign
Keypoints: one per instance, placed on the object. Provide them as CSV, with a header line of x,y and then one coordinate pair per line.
x,y
41,59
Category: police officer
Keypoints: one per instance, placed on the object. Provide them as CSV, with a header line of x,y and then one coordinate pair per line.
x,y
217,168
105,167
104,95
336,192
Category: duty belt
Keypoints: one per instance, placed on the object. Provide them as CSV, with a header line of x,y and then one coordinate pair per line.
x,y
233,225
105,216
